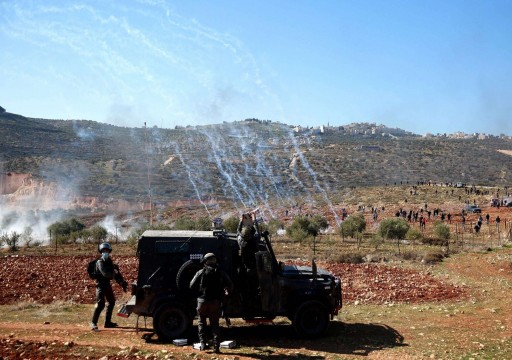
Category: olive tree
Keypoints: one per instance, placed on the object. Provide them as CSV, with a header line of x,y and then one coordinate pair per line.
x,y
60,231
353,226
442,231
274,225
133,238
184,223
394,228
231,224
304,227
12,240
98,233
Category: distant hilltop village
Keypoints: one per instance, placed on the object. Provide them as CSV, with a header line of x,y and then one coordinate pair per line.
x,y
372,129
354,129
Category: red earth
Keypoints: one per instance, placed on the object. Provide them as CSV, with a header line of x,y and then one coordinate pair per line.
x,y
44,279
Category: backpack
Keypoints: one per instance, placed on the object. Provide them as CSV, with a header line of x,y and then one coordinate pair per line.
x,y
211,284
91,269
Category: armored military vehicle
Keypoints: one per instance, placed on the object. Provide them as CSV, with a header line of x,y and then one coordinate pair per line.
x,y
168,260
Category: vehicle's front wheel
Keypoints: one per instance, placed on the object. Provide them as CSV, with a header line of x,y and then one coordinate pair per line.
x,y
171,322
311,319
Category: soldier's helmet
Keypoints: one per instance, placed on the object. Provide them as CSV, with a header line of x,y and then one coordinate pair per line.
x,y
105,245
210,258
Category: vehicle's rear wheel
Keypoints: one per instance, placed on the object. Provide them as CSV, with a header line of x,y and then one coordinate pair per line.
x,y
311,319
171,322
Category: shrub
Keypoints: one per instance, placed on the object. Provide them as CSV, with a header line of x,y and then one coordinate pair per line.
x,y
297,233
433,257
350,258
26,236
203,224
98,233
376,241
434,241
184,223
302,228
441,230
12,240
414,234
410,255
274,225
133,238
231,224
319,222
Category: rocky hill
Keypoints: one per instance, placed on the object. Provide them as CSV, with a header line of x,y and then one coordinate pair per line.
x,y
246,162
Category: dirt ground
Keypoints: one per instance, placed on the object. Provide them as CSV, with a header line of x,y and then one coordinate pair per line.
x,y
457,309
45,279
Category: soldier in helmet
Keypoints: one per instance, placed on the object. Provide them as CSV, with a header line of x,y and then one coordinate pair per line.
x,y
248,241
105,271
248,238
211,283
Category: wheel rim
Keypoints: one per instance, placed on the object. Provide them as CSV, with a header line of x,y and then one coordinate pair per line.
x,y
172,322
311,319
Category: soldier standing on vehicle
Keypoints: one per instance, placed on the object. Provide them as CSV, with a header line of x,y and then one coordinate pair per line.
x,y
105,271
248,238
248,241
212,284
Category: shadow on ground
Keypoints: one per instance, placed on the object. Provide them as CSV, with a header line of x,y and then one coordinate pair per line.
x,y
341,338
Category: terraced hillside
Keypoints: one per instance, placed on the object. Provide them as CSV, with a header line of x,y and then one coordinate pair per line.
x,y
248,162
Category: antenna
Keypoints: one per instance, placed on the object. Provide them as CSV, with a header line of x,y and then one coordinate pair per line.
x,y
149,176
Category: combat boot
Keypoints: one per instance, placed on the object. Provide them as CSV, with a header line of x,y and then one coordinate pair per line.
x,y
110,324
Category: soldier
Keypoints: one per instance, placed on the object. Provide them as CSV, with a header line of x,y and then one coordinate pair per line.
x,y
248,238
248,241
212,284
105,271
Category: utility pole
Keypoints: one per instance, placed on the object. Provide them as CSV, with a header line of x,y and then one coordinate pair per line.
x,y
149,176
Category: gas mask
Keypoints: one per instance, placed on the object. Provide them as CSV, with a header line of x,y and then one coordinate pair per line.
x,y
211,262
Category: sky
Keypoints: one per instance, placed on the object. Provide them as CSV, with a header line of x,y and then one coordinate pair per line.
x,y
435,66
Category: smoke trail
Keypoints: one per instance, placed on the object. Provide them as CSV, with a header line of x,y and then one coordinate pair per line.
x,y
246,155
190,178
260,169
313,175
217,157
185,63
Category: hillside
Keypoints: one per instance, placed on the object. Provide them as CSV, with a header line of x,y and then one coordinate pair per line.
x,y
247,162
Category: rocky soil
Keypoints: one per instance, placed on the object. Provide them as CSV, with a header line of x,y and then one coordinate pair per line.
x,y
45,279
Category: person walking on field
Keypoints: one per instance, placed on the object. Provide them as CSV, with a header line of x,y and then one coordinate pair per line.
x,y
105,271
212,284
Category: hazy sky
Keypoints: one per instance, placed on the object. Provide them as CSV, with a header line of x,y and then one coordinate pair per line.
x,y
423,66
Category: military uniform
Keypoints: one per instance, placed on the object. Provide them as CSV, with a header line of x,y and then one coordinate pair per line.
x,y
210,282
106,270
